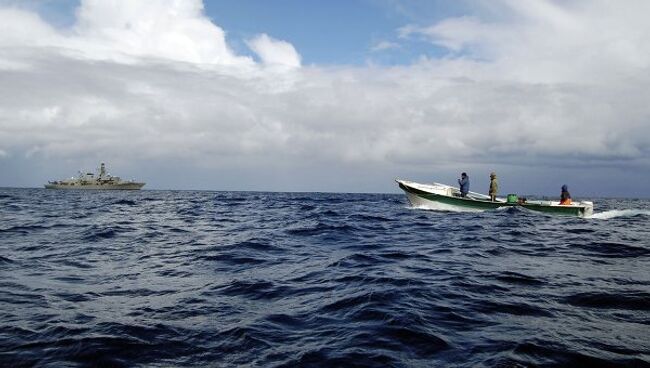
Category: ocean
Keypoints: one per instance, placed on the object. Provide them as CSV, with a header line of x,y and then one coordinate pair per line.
x,y
221,279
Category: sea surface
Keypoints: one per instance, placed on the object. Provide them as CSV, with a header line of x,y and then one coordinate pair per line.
x,y
223,279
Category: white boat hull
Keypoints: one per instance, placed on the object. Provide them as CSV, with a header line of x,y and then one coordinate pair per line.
x,y
422,203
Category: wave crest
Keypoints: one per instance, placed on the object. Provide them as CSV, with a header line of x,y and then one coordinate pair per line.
x,y
620,213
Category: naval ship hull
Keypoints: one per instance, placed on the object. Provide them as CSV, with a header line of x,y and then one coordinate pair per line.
x,y
123,186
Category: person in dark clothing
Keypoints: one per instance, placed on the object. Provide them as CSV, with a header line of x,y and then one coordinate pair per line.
x,y
494,187
565,197
464,184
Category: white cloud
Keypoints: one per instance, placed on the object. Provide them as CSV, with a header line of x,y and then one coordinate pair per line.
x,y
156,80
542,41
455,34
384,45
167,29
128,31
274,52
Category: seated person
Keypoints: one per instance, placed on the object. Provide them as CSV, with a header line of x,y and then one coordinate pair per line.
x,y
565,197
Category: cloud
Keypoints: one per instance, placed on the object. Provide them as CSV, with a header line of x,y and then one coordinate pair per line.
x,y
384,45
542,41
456,34
274,52
155,81
127,31
25,28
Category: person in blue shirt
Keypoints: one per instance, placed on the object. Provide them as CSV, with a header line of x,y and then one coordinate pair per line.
x,y
464,184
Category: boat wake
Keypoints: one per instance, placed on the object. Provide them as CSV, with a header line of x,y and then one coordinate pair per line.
x,y
619,213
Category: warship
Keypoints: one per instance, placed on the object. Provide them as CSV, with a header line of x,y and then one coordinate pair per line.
x,y
102,181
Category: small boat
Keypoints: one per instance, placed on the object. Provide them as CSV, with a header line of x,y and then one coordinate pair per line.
x,y
90,181
443,197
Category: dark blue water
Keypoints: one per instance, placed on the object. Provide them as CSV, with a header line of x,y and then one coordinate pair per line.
x,y
169,278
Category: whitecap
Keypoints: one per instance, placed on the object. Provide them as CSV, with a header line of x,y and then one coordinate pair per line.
x,y
619,213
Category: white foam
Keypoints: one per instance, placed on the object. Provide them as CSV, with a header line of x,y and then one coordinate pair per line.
x,y
619,213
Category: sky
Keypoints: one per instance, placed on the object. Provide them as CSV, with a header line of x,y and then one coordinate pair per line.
x,y
335,96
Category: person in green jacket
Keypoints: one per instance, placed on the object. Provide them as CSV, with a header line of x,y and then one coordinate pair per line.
x,y
494,187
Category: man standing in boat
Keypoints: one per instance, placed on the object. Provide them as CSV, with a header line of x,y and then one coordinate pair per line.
x,y
464,184
494,187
